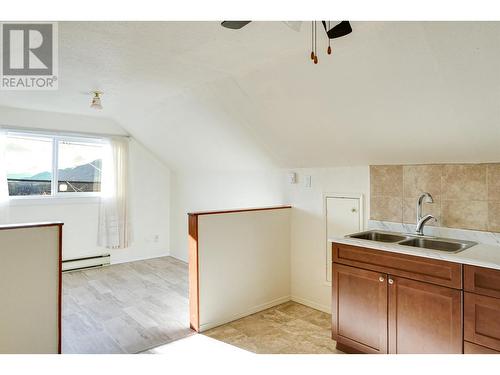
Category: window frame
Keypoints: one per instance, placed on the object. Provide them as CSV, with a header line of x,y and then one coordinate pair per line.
x,y
56,139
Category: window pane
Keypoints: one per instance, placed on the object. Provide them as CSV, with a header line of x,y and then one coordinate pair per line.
x,y
79,167
29,165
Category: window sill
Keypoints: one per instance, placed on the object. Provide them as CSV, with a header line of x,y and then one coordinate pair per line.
x,y
52,200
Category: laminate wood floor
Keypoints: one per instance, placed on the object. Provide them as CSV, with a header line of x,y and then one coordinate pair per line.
x,y
125,308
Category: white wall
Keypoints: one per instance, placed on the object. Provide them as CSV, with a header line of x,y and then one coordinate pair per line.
x,y
199,190
149,194
244,264
29,280
308,230
213,190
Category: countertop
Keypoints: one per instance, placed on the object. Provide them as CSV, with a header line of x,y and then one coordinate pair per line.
x,y
479,255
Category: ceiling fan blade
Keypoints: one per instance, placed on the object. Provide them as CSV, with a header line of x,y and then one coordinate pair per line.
x,y
339,30
235,25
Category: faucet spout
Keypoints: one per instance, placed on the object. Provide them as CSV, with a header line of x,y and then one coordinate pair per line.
x,y
422,220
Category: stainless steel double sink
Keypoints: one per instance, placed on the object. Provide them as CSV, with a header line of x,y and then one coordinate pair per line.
x,y
426,242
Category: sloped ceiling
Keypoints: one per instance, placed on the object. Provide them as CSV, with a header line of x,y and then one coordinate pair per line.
x,y
201,96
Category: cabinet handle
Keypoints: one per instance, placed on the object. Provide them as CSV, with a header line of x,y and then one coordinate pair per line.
x,y
390,281
381,279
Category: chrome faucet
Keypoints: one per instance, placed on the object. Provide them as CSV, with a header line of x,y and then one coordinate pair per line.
x,y
422,220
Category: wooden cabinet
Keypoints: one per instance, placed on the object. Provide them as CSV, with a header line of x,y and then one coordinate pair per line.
x,y
482,320
481,280
470,348
481,309
360,305
423,318
391,303
412,267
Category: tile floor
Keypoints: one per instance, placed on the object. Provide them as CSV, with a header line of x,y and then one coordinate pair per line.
x,y
289,328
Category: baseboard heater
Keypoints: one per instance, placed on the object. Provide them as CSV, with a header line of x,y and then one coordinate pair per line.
x,y
86,263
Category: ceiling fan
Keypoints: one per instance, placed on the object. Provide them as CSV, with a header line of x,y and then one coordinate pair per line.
x,y
341,29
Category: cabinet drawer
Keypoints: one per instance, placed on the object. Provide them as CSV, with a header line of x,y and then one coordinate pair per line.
x,y
470,348
413,267
482,320
480,280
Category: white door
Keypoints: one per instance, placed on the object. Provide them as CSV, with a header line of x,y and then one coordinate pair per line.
x,y
343,216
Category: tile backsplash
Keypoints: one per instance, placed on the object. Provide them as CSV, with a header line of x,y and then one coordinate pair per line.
x,y
466,196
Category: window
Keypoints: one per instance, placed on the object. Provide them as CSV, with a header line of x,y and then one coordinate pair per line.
x,y
48,165
29,165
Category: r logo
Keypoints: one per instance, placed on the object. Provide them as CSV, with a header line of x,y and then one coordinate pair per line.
x,y
27,49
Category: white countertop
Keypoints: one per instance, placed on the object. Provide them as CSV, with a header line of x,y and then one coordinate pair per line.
x,y
479,255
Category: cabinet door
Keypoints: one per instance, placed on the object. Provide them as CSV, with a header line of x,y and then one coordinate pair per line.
x,y
482,320
424,318
359,310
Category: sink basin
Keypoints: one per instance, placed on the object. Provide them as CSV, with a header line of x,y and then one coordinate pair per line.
x,y
451,246
433,243
378,236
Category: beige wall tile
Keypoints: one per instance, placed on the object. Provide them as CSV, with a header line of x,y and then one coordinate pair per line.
x,y
464,182
494,182
386,180
410,211
386,209
421,178
465,214
494,216
466,196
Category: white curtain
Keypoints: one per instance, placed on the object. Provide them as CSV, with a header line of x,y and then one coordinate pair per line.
x,y
113,231
4,188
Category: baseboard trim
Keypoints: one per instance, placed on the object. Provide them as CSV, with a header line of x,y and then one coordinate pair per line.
x,y
304,301
134,259
253,310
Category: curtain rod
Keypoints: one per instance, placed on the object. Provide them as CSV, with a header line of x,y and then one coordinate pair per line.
x,y
62,132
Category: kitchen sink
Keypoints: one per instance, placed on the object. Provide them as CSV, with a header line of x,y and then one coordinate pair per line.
x,y
378,236
425,242
451,246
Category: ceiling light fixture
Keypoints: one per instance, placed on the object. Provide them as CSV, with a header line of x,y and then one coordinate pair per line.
x,y
96,100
